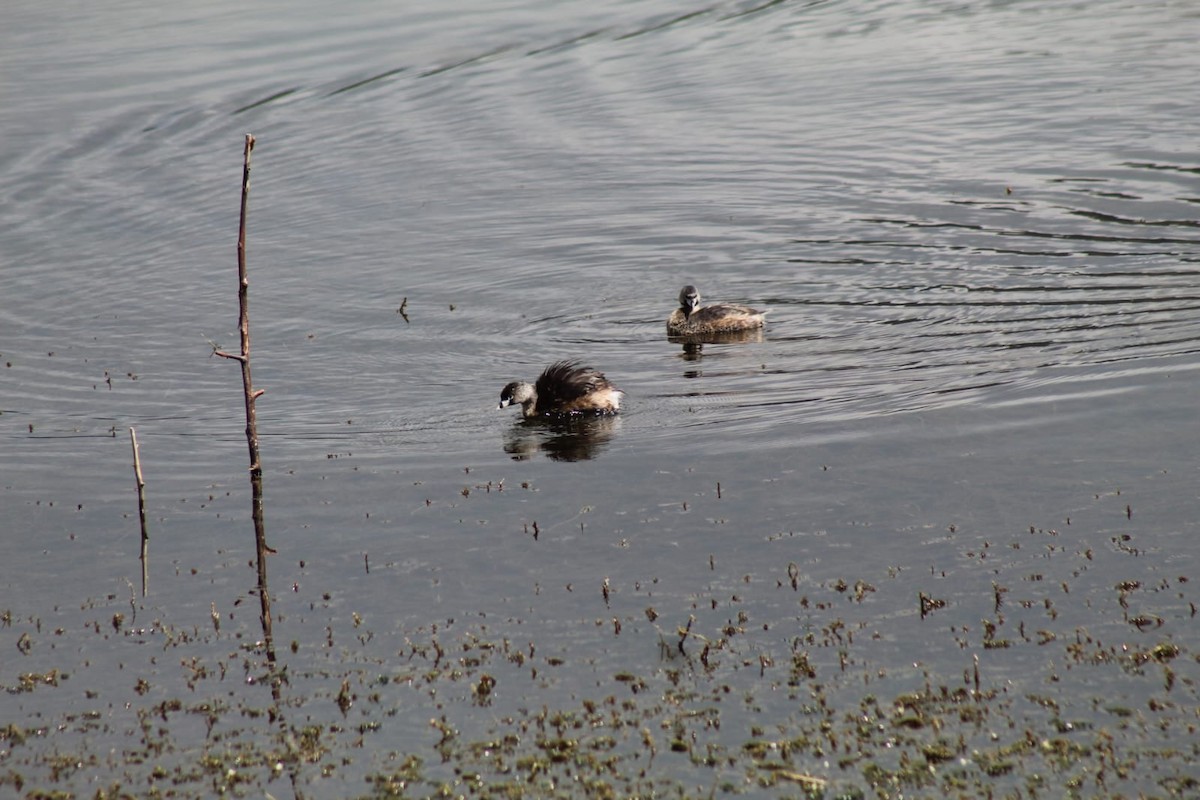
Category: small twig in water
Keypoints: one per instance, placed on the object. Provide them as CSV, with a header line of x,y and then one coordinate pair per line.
x,y
250,396
141,492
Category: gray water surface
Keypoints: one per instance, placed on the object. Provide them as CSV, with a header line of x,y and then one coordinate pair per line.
x,y
974,227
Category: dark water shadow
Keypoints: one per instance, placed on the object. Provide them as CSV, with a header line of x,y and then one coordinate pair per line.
x,y
693,345
576,438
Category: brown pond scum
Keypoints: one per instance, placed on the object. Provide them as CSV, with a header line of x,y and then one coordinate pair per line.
x,y
745,688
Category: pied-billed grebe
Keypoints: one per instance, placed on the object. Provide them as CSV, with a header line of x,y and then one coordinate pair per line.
x,y
564,388
691,318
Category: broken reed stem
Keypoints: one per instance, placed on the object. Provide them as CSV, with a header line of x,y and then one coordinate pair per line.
x,y
141,494
251,396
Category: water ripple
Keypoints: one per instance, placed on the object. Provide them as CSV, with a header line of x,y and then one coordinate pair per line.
x,y
542,191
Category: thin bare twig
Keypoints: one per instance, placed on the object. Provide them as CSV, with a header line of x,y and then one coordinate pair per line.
x,y
141,492
251,395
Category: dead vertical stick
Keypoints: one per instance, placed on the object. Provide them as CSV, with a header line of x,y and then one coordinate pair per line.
x,y
141,490
251,396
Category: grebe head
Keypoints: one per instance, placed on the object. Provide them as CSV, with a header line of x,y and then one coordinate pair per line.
x,y
516,392
689,299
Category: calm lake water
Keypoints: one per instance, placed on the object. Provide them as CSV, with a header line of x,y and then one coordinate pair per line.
x,y
975,228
